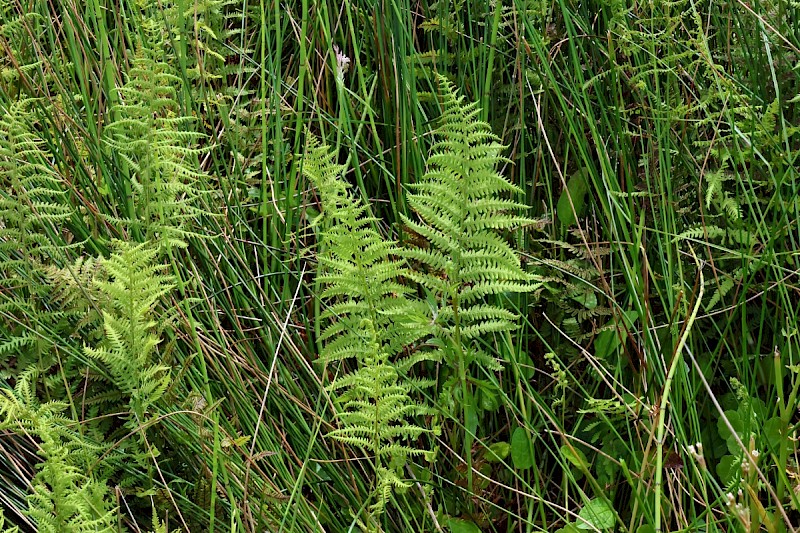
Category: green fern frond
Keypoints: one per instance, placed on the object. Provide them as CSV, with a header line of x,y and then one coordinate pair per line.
x,y
160,526
370,320
158,146
63,498
3,527
135,286
375,410
73,289
359,269
33,198
701,232
462,214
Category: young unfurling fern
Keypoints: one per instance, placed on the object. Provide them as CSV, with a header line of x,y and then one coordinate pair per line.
x,y
370,320
461,212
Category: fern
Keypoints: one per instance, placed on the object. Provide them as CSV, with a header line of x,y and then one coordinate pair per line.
x,y
155,142
204,23
33,203
375,409
462,215
3,528
72,288
370,320
360,269
135,286
64,498
20,62
34,209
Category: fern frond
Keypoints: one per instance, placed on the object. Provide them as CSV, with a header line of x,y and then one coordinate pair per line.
x,y
461,212
134,287
63,497
371,320
465,213
33,198
359,268
159,149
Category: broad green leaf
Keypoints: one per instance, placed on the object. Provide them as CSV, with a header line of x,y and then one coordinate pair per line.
x,y
728,468
574,456
526,366
758,408
487,396
521,453
471,415
587,298
457,525
735,421
608,341
776,434
497,452
606,344
577,187
597,514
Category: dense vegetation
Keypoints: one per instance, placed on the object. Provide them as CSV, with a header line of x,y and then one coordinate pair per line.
x,y
501,266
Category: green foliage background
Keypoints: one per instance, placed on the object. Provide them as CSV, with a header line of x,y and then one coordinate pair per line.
x,y
174,276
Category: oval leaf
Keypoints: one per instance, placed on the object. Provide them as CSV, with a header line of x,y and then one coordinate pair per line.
x,y
728,468
458,525
498,451
521,453
573,195
574,456
597,514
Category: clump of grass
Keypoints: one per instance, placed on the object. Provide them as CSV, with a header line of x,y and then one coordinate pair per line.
x,y
656,144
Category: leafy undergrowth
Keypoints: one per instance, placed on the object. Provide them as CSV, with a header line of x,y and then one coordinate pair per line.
x,y
385,266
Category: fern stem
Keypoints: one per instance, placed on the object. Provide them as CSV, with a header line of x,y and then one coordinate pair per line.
x,y
466,393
